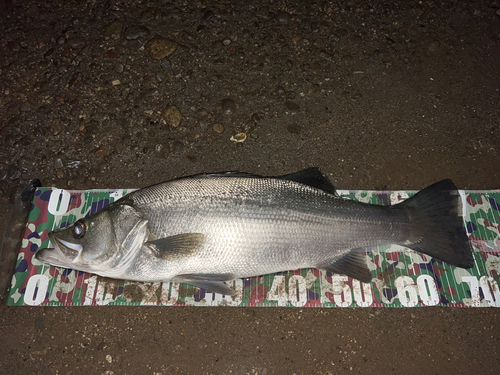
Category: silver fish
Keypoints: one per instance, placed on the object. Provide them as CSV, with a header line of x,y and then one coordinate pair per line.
x,y
206,229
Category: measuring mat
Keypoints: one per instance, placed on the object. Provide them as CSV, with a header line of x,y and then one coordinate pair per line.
x,y
401,277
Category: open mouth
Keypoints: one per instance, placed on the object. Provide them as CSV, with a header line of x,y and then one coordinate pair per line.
x,y
51,256
66,244
61,254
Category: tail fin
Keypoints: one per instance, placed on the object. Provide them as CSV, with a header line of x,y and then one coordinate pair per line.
x,y
438,230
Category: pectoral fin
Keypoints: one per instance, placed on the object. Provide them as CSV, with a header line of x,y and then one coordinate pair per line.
x,y
174,247
210,282
353,264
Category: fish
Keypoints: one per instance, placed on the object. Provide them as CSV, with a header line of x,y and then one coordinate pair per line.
x,y
208,229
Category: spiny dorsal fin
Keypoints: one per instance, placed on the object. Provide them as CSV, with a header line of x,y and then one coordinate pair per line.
x,y
311,177
180,245
353,264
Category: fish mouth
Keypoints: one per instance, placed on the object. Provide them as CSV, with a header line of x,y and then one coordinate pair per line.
x,y
51,256
62,254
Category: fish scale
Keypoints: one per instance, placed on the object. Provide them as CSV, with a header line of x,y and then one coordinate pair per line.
x,y
271,223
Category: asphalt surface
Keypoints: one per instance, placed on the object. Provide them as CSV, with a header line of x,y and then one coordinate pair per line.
x,y
121,94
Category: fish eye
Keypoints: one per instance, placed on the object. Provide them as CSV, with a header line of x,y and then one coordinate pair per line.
x,y
79,229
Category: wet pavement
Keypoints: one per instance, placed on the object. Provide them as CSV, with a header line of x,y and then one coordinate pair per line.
x,y
378,95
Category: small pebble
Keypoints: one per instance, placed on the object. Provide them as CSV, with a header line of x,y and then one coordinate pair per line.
x,y
166,64
147,15
25,107
255,117
65,52
240,54
292,106
13,172
159,47
208,15
160,77
76,42
4,174
56,127
217,45
58,164
149,92
334,38
315,66
293,128
172,116
101,151
283,18
136,31
26,164
325,55
114,30
218,128
177,147
121,122
228,107
48,53
118,148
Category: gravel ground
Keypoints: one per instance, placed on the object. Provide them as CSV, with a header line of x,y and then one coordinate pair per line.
x,y
378,95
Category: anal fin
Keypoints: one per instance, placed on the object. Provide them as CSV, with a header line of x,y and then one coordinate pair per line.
x,y
210,282
352,264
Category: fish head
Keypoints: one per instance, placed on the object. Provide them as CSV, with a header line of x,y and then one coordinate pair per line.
x,y
104,243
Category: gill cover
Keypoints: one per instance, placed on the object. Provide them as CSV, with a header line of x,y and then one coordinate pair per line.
x,y
104,243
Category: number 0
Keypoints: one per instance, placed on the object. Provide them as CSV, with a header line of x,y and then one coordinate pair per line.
x,y
58,202
36,290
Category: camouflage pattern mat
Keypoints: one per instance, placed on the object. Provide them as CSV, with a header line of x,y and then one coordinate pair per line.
x,y
401,277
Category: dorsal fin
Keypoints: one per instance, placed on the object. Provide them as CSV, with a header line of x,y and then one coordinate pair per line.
x,y
311,177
